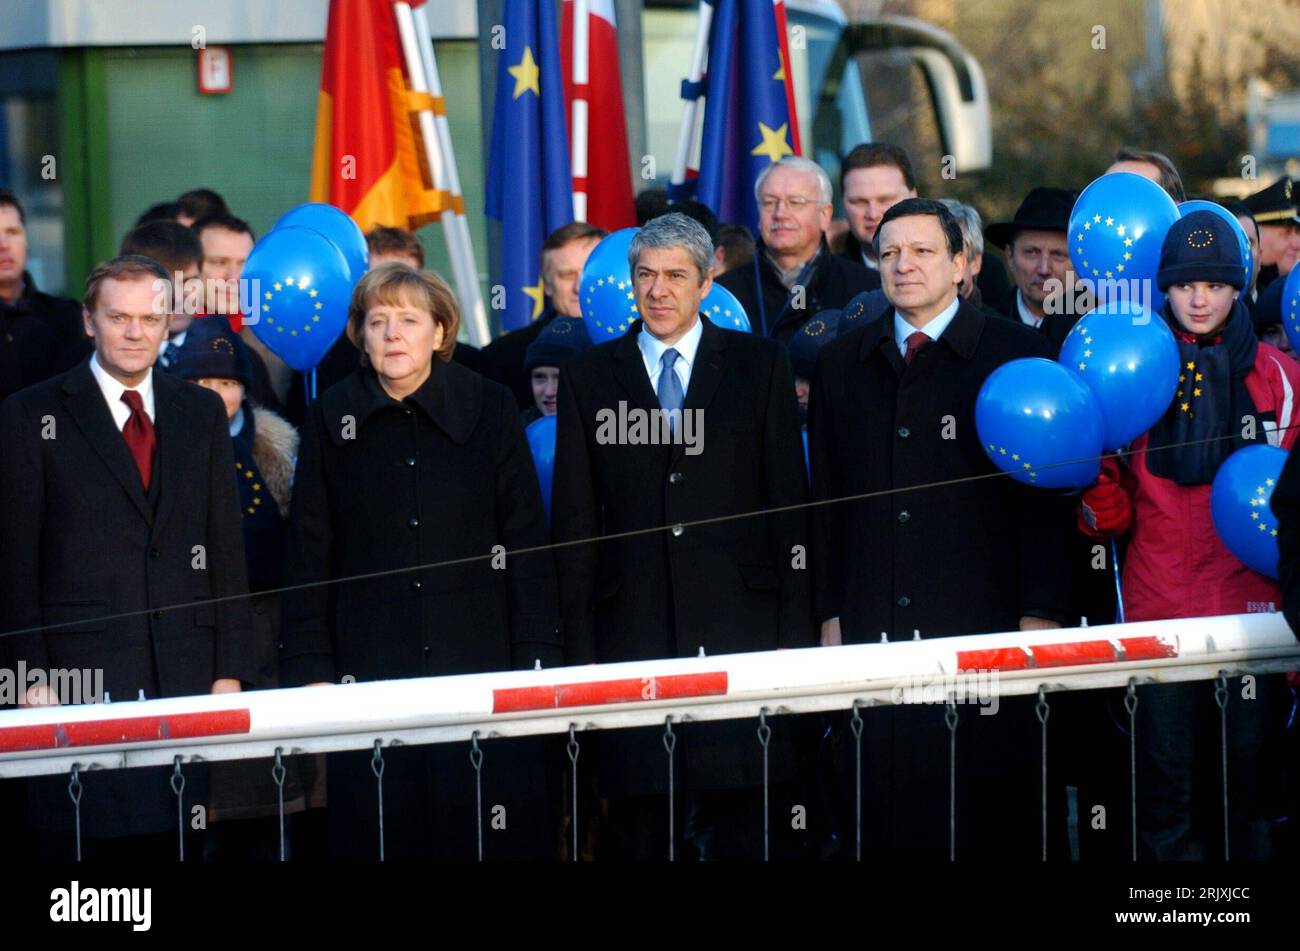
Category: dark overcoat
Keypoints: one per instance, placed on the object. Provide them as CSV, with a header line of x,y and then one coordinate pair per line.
x,y
697,579
83,542
969,555
420,491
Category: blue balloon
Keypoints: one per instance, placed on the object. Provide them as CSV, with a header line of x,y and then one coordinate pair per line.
x,y
605,291
1039,422
723,309
336,225
1117,227
1291,308
1243,242
1129,360
1239,503
541,440
300,286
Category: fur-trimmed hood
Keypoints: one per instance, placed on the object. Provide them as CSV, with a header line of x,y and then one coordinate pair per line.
x,y
275,447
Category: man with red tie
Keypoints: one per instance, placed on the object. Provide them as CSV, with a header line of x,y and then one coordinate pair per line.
x,y
121,537
918,536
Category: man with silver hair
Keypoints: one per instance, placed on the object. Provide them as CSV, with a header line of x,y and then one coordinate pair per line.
x,y
794,274
647,567
972,236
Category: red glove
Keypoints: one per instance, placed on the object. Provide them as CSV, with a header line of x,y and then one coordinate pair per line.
x,y
1105,508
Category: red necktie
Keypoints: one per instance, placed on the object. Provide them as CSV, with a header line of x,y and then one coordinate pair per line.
x,y
139,435
915,341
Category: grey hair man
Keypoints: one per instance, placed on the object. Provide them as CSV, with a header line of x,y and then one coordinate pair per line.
x,y
793,274
972,236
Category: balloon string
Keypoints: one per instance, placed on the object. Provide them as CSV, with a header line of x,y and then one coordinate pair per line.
x,y
1119,591
311,384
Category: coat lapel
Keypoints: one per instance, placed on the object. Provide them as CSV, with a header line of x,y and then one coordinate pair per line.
x,y
630,371
708,369
171,421
86,406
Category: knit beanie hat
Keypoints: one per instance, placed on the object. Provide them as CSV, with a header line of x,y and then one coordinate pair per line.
x,y
1201,247
561,339
213,350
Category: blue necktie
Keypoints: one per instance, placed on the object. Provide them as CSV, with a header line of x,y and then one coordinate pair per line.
x,y
670,387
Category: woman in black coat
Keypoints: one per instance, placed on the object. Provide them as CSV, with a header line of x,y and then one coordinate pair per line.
x,y
408,463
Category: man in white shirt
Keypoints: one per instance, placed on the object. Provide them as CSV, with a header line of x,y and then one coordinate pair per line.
x,y
122,549
665,572
1038,256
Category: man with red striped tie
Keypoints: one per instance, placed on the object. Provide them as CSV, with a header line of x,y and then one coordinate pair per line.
x,y
122,531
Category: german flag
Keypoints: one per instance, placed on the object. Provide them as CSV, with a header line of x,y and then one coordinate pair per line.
x,y
369,155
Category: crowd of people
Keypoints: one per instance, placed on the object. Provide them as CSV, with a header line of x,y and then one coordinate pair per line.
x,y
179,514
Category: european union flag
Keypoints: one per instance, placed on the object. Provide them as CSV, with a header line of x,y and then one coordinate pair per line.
x,y
529,185
746,115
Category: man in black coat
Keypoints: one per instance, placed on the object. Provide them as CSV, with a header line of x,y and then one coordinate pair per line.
x,y
121,532
35,328
685,583
794,274
893,407
1038,256
564,252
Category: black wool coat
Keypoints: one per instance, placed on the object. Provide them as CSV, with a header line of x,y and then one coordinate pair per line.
x,y
833,282
965,558
36,329
388,486
726,586
1285,503
82,541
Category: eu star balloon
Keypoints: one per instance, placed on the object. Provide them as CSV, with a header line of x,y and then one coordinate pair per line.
x,y
1239,500
605,292
1117,226
1039,423
541,440
1291,308
1128,358
336,225
1243,242
300,285
723,309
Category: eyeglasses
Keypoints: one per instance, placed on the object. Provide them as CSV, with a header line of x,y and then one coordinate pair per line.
x,y
770,203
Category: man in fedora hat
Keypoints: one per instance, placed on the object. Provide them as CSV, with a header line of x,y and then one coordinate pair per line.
x,y
1037,253
1274,210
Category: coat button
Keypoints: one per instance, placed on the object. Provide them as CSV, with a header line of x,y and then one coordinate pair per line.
x,y
407,410
676,478
413,522
903,432
416,586
154,553
903,516
678,530
157,615
428,651
410,460
904,601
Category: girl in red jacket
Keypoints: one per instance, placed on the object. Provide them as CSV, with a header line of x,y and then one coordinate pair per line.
x,y
1232,390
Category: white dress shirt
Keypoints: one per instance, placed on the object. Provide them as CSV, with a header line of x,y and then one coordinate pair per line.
x,y
937,325
652,351
113,391
1027,316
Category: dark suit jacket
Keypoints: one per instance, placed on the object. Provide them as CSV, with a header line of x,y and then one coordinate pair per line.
x,y
965,558
726,586
1055,327
832,282
83,543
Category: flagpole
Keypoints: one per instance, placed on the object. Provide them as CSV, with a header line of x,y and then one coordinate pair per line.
x,y
581,79
421,68
693,111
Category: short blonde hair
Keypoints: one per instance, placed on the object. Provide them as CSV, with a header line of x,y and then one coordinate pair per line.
x,y
395,284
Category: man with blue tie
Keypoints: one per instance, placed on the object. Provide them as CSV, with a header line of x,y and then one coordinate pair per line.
x,y
667,573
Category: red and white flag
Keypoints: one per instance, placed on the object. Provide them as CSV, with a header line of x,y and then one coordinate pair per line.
x,y
602,172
